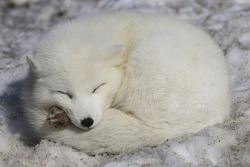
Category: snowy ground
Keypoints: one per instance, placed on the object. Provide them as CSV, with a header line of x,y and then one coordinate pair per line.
x,y
22,22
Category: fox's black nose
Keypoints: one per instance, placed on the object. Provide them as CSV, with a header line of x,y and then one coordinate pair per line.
x,y
87,122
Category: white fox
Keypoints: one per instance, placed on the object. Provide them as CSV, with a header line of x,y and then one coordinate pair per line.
x,y
126,81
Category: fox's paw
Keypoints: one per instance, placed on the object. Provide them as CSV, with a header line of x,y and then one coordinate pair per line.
x,y
58,117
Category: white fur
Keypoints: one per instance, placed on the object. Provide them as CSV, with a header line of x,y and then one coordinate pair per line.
x,y
163,78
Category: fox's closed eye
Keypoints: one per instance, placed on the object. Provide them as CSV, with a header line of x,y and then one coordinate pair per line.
x,y
98,87
65,93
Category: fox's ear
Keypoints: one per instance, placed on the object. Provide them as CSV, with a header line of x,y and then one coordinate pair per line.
x,y
31,61
119,55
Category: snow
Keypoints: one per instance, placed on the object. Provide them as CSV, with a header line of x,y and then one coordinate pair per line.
x,y
24,21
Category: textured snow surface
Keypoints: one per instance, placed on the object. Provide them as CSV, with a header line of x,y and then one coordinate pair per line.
x,y
22,22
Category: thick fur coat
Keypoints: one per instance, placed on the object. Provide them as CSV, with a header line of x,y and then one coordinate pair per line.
x,y
141,79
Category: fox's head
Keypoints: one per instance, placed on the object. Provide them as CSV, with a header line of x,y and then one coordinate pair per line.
x,y
79,74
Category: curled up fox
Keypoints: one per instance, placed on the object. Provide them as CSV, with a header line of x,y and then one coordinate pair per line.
x,y
121,81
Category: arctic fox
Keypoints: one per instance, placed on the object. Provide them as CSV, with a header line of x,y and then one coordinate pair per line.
x,y
125,81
